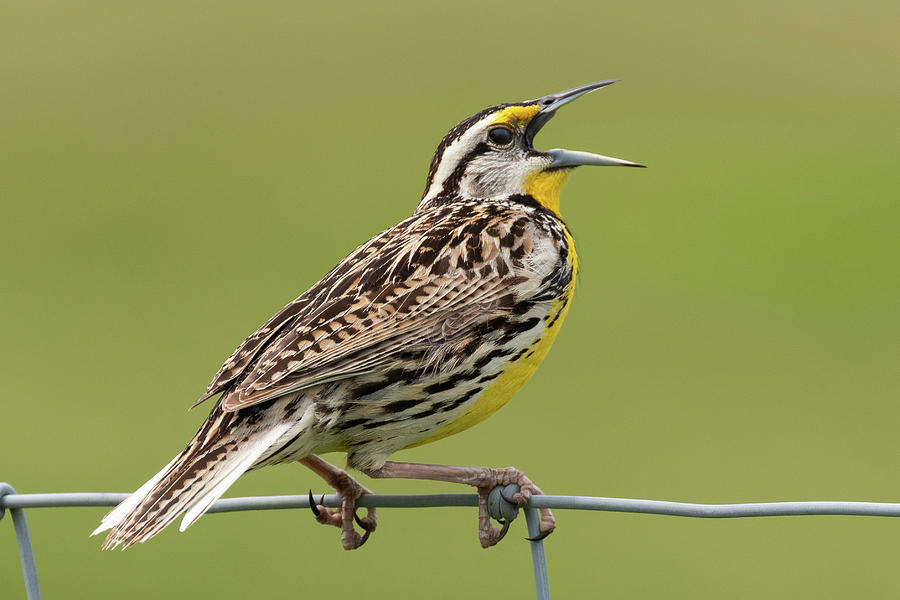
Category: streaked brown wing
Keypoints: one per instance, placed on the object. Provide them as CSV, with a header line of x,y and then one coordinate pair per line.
x,y
365,338
344,279
416,284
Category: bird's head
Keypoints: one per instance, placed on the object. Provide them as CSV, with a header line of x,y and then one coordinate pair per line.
x,y
491,155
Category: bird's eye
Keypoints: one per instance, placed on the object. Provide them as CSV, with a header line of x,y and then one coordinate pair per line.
x,y
500,136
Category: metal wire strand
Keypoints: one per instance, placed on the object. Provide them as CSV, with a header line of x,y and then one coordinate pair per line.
x,y
657,507
9,499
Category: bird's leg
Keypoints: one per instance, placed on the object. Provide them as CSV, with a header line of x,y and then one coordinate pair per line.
x,y
350,490
484,479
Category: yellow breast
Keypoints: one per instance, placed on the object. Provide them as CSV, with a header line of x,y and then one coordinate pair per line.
x,y
516,373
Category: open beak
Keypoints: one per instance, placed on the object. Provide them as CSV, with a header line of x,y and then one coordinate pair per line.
x,y
570,158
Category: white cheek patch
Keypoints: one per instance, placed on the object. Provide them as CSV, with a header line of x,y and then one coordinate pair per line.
x,y
495,175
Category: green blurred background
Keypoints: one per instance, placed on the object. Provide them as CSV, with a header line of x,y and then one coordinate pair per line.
x,y
173,173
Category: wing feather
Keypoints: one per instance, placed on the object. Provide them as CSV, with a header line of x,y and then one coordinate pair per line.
x,y
299,360
430,277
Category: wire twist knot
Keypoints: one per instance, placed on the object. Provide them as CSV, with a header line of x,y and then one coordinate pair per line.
x,y
501,505
5,490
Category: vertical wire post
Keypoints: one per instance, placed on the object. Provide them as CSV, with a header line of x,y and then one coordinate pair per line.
x,y
26,553
538,559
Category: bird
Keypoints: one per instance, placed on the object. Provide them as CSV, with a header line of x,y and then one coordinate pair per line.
x,y
421,332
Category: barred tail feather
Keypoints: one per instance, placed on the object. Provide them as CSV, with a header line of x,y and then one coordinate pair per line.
x,y
192,481
114,516
222,483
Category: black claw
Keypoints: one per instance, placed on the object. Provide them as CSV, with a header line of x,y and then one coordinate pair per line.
x,y
503,529
539,536
364,537
312,505
366,527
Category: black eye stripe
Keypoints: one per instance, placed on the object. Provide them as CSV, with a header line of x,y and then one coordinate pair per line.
x,y
500,136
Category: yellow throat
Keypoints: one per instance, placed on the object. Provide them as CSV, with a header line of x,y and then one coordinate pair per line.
x,y
545,186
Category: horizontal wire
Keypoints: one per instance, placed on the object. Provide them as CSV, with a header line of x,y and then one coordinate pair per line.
x,y
657,507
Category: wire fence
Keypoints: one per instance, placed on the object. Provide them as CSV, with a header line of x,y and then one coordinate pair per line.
x,y
17,503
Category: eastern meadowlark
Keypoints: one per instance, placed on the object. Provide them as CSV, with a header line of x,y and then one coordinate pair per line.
x,y
421,332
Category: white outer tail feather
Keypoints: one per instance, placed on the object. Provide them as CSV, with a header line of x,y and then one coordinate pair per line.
x,y
226,477
211,489
115,516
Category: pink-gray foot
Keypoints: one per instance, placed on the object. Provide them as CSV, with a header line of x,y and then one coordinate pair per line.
x,y
350,490
484,479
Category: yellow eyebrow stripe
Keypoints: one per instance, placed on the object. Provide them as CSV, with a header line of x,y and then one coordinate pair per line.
x,y
520,114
